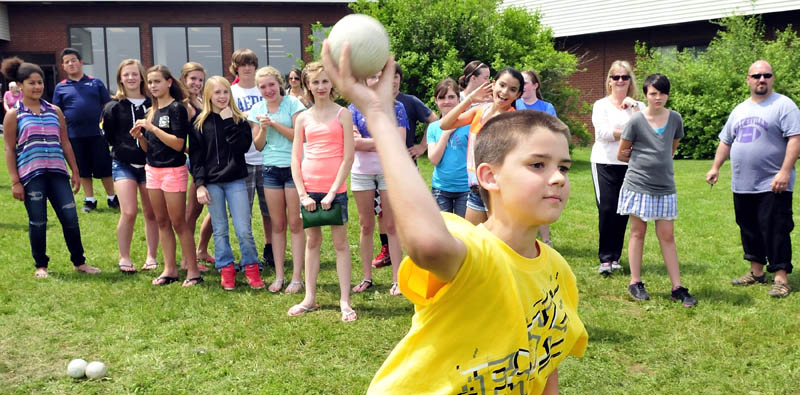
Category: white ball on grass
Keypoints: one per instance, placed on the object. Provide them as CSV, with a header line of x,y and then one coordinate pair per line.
x,y
96,370
76,368
369,44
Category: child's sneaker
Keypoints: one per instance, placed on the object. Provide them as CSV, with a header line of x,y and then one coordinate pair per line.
x,y
638,292
779,290
605,268
228,274
615,266
383,259
253,277
113,203
89,205
749,279
682,294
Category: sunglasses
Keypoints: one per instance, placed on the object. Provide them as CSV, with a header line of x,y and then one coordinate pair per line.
x,y
758,76
294,78
617,77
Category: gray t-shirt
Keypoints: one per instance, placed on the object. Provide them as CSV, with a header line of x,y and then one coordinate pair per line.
x,y
758,134
650,166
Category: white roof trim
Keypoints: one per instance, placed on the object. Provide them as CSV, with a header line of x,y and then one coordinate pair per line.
x,y
577,17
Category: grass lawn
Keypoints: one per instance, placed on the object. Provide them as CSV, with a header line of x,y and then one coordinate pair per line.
x,y
206,340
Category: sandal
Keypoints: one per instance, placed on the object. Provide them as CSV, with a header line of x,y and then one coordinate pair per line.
x,y
165,280
294,287
150,265
190,282
349,315
395,290
299,309
276,285
363,286
87,269
126,268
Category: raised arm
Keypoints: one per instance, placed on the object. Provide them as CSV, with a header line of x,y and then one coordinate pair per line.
x,y
462,115
422,231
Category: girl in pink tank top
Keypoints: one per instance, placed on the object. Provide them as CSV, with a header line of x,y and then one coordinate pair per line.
x,y
322,155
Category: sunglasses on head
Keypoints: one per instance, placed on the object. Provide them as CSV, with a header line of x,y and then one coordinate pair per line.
x,y
617,77
759,75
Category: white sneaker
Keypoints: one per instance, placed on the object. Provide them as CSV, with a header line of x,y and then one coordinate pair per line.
x,y
605,268
616,266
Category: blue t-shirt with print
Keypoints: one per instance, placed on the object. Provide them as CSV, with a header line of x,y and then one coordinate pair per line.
x,y
540,105
278,150
450,175
361,123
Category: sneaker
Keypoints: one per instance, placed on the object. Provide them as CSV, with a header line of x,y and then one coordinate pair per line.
x,y
615,266
89,205
605,268
682,294
638,292
749,279
779,290
383,259
228,274
253,277
112,203
269,259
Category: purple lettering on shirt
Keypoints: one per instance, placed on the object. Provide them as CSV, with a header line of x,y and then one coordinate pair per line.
x,y
750,129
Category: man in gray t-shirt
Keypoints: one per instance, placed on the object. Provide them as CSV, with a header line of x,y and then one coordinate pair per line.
x,y
762,138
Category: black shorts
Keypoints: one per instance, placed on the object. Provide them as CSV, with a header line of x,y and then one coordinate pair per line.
x,y
92,156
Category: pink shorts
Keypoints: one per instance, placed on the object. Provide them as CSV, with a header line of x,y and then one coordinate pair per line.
x,y
167,179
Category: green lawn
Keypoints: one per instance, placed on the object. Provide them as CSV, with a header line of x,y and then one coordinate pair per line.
x,y
206,340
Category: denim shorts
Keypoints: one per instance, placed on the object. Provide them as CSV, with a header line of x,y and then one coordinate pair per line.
x,y
474,201
126,171
340,198
277,177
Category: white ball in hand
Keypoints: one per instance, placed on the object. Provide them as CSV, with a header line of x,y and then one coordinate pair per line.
x,y
76,368
96,370
369,44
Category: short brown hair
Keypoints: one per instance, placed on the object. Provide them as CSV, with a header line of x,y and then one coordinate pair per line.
x,y
502,133
242,57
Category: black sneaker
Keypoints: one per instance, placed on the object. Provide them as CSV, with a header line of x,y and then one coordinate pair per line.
x,y
682,294
638,292
89,205
113,203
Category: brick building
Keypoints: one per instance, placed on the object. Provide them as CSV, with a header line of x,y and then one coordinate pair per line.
x,y
160,32
601,31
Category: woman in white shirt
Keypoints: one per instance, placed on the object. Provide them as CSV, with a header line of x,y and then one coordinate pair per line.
x,y
609,116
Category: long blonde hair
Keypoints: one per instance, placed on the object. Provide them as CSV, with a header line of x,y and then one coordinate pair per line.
x,y
208,91
120,95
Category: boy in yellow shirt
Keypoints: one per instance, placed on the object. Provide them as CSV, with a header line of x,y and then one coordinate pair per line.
x,y
495,310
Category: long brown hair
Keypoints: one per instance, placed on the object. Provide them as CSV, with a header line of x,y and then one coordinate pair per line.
x,y
120,95
176,90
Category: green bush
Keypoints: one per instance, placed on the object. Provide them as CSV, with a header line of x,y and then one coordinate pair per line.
x,y
434,39
707,85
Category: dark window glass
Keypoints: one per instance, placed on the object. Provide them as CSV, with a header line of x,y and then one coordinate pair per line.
x,y
253,38
103,48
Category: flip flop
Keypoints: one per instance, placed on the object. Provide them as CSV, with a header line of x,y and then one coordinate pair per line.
x,y
127,268
294,287
277,283
89,270
395,290
165,280
349,315
150,265
190,282
299,309
363,286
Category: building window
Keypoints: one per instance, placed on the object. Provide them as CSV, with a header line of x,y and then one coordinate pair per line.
x,y
277,46
104,48
174,46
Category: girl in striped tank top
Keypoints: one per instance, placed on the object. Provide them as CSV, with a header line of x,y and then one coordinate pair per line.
x,y
36,148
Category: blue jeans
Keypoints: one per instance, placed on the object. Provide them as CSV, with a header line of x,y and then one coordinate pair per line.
x,y
451,202
235,194
56,188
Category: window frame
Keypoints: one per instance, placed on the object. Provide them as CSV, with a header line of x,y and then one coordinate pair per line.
x,y
111,82
186,38
266,36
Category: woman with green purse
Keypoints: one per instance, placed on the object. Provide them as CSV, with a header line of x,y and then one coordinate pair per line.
x,y
320,172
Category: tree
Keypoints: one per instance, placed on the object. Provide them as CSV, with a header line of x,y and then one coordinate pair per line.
x,y
434,39
706,86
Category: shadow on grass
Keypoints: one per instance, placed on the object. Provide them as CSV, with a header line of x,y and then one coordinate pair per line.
x,y
16,226
571,253
605,335
732,297
686,268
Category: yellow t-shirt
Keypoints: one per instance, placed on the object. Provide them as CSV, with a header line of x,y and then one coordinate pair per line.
x,y
502,325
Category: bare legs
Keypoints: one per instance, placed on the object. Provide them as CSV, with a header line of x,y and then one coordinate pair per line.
x,y
170,212
126,191
665,232
284,211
